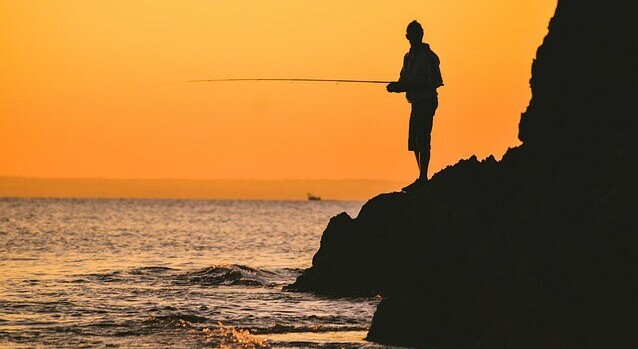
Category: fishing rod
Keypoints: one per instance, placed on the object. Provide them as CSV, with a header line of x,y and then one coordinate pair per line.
x,y
301,80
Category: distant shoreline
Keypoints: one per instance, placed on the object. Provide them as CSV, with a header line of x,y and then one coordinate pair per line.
x,y
196,189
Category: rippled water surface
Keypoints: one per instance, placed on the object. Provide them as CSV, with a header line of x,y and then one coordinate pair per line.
x,y
168,273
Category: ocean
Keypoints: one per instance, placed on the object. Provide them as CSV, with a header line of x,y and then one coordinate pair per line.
x,y
169,274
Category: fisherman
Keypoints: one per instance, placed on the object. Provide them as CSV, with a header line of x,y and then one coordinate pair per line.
x,y
419,79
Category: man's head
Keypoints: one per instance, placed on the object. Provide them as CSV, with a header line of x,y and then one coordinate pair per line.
x,y
414,33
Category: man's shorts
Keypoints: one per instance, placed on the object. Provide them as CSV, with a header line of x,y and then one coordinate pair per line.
x,y
421,118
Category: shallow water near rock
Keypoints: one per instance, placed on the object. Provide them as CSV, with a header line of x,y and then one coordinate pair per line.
x,y
168,273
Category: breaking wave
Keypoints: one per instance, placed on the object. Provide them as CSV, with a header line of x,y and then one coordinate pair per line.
x,y
216,275
226,275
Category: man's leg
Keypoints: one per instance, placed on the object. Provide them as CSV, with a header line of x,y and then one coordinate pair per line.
x,y
421,118
414,184
423,160
424,155
420,158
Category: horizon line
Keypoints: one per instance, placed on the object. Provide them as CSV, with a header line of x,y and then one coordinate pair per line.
x,y
212,189
202,179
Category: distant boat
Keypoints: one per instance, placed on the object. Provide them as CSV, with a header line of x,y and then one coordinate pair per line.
x,y
313,197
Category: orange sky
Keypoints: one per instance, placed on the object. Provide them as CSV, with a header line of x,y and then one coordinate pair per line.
x,y
98,88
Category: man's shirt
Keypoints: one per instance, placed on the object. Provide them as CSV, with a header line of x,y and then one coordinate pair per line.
x,y
420,65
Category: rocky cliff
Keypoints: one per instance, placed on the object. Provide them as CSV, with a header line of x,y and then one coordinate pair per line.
x,y
536,250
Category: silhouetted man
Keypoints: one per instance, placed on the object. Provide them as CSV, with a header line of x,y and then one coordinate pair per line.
x,y
419,79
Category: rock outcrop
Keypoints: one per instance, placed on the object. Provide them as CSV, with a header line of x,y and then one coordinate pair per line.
x,y
534,251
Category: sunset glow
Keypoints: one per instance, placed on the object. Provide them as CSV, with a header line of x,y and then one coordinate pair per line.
x,y
99,88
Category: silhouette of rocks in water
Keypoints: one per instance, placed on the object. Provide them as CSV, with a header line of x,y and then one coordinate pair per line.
x,y
535,251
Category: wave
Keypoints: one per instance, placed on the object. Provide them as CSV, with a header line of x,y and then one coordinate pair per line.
x,y
114,276
233,337
175,320
189,320
226,275
216,275
220,335
150,270
281,328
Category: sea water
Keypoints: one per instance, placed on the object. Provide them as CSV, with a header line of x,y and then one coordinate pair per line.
x,y
169,273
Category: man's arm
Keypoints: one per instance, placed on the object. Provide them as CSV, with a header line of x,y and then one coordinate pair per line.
x,y
396,87
406,85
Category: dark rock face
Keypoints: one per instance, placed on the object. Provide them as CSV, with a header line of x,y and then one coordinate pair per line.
x,y
535,251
